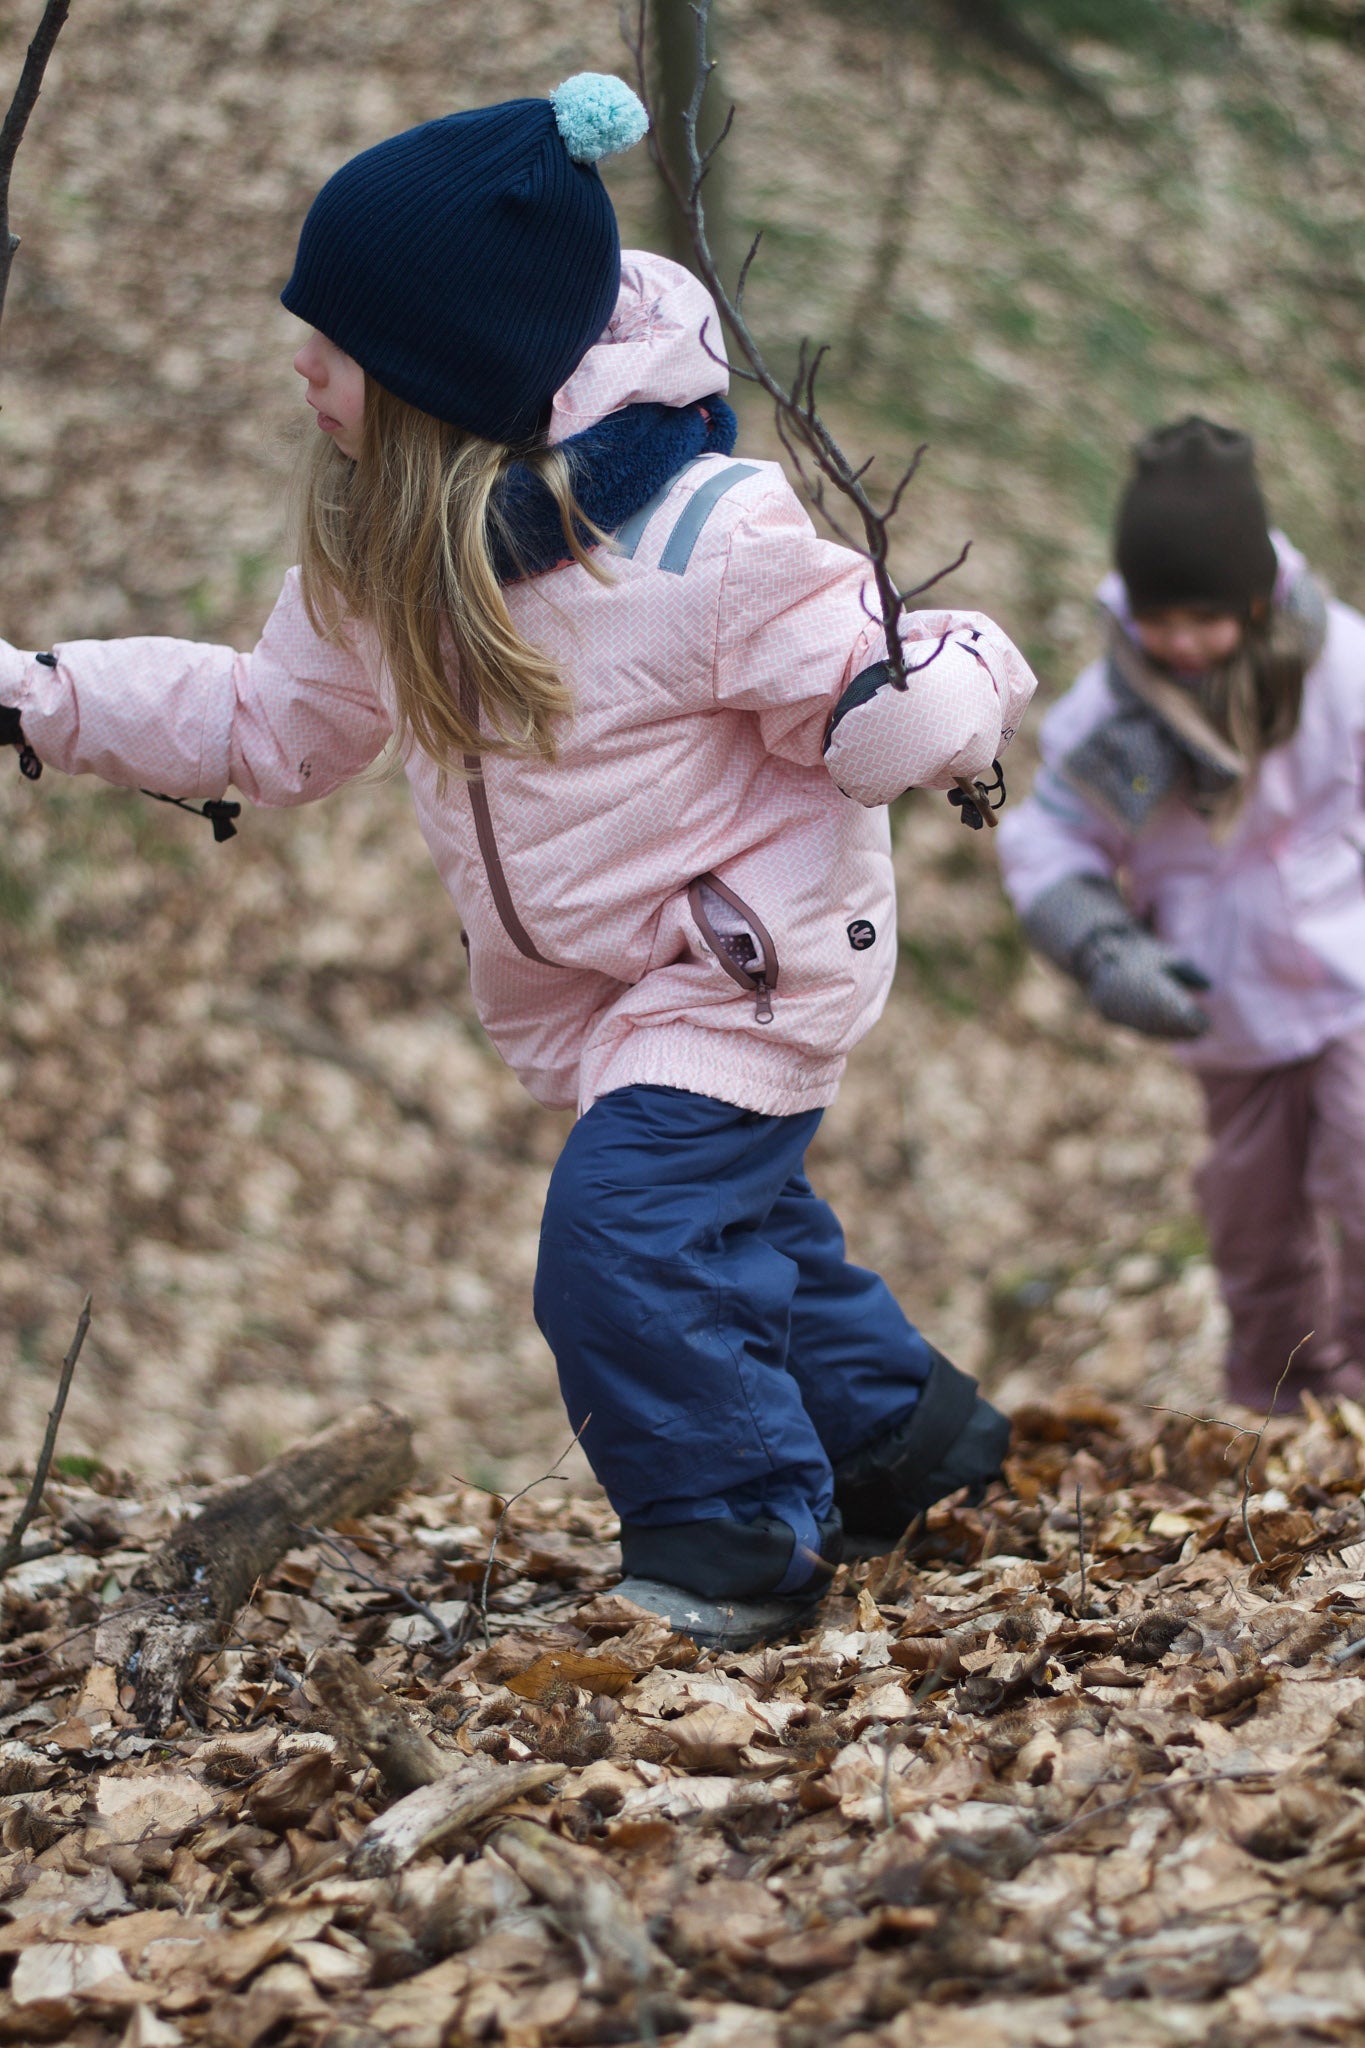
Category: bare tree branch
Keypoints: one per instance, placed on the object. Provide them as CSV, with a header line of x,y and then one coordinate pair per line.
x,y
16,120
13,1549
801,429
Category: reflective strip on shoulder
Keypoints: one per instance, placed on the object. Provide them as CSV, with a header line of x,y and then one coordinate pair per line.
x,y
628,536
695,513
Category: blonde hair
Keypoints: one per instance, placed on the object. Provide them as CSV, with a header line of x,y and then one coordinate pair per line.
x,y
402,540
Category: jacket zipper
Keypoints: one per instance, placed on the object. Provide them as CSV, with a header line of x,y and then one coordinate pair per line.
x,y
735,950
488,843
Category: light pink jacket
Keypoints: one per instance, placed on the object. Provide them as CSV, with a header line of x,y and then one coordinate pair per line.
x,y
1274,914
705,677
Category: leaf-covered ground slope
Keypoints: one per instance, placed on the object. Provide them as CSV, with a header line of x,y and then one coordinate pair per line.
x,y
245,1100
1039,1784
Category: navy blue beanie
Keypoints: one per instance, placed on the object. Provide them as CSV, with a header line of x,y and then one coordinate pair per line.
x,y
470,264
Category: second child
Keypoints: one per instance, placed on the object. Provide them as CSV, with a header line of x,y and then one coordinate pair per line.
x,y
1193,852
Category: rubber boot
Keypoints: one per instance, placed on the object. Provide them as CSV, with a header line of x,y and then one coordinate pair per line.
x,y
951,1438
727,1624
727,1584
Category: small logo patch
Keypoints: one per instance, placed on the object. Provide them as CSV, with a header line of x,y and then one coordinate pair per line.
x,y
861,935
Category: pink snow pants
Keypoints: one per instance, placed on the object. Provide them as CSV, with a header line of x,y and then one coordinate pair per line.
x,y
1283,1194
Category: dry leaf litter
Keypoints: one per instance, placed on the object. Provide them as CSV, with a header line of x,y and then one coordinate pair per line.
x,y
1083,1766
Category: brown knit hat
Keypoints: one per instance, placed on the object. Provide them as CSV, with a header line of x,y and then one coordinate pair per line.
x,y
1191,527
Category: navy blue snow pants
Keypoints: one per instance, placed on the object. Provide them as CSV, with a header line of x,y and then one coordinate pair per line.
x,y
713,1342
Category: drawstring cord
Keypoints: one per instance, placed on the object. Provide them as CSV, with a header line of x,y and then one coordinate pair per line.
x,y
216,809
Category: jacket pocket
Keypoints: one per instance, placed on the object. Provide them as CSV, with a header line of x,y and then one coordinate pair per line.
x,y
739,939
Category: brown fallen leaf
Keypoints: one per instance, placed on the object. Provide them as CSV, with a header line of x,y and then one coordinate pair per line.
x,y
731,1917
151,1803
711,1737
69,1970
291,1793
557,1670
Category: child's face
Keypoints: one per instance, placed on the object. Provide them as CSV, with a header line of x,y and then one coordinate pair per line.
x,y
336,390
1189,639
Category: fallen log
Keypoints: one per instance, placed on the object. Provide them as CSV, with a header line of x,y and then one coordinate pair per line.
x,y
207,1567
436,1813
590,1909
376,1723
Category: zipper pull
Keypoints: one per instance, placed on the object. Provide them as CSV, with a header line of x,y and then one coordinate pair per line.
x,y
763,1002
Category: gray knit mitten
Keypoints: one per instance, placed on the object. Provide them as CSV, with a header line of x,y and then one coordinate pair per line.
x,y
1083,925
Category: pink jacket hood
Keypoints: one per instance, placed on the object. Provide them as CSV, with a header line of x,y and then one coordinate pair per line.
x,y
663,344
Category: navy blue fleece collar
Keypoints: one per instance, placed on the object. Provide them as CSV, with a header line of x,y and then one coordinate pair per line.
x,y
617,466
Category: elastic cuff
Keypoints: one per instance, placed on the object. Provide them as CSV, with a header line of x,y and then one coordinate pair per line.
x,y
952,1437
729,1560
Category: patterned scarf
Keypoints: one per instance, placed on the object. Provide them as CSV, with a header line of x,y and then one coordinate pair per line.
x,y
1202,740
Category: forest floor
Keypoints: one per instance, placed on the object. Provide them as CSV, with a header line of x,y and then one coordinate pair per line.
x,y
1085,1771
246,1104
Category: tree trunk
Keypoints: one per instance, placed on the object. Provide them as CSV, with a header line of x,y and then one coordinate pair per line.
x,y
672,36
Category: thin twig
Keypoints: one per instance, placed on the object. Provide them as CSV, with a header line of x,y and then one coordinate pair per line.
x,y
1256,1445
11,1553
1164,1790
449,1642
888,1811
507,1506
9,1665
895,1557
1239,1429
16,120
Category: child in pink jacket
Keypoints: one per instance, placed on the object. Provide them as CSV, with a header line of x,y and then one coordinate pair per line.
x,y
1194,853
649,729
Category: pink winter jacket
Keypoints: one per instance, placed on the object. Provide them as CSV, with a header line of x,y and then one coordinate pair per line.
x,y
705,678
1275,913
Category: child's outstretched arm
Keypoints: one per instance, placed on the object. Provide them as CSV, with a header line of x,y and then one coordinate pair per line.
x,y
285,723
1060,859
800,642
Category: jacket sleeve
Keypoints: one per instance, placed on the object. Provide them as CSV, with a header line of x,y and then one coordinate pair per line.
x,y
285,723
800,641
1056,833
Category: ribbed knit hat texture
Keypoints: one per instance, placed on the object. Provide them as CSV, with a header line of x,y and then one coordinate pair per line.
x,y
1192,527
469,265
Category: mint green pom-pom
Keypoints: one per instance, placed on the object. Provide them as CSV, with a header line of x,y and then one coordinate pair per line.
x,y
597,115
